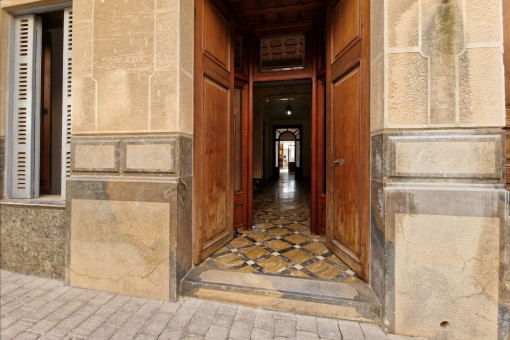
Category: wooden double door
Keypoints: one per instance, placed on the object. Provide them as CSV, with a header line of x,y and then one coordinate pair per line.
x,y
340,116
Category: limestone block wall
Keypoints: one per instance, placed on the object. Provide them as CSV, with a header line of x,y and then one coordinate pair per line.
x,y
129,194
437,64
439,233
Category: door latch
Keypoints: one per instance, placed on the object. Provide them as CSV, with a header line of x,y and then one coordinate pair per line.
x,y
339,162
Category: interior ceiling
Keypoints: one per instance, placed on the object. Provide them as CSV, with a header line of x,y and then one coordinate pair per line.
x,y
272,98
261,12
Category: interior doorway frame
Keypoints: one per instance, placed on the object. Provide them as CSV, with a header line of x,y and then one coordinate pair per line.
x,y
314,69
274,139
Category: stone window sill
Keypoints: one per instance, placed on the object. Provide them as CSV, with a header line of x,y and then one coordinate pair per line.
x,y
48,201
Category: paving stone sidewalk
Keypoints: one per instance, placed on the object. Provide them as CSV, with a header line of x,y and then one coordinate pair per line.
x,y
37,308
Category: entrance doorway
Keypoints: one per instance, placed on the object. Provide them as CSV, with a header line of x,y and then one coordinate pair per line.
x,y
258,47
280,241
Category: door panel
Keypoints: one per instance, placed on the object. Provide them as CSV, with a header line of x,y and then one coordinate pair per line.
x,y
346,175
348,133
213,127
345,26
216,158
216,31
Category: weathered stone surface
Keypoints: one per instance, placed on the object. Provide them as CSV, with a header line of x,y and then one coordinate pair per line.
x,y
468,156
120,234
95,156
407,90
442,260
445,271
404,18
344,300
32,240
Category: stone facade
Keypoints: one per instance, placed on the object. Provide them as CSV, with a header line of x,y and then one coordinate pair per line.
x,y
440,234
439,207
131,166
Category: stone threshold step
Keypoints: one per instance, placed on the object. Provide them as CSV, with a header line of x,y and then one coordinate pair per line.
x,y
332,299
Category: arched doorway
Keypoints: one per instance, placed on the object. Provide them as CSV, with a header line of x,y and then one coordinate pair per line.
x,y
288,150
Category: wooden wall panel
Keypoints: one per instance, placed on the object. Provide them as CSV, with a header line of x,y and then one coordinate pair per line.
x,y
216,157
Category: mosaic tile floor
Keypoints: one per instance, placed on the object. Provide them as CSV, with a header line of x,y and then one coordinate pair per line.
x,y
280,242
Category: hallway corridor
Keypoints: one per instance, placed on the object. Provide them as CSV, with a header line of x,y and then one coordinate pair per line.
x,y
280,242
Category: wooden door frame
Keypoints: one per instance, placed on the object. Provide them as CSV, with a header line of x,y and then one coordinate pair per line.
x,y
506,61
246,153
309,73
288,126
318,167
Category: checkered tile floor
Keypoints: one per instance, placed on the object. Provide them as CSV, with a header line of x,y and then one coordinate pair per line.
x,y
280,242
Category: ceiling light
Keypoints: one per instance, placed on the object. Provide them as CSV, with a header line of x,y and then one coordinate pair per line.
x,y
288,109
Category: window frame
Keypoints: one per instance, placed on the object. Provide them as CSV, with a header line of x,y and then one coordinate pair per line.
x,y
10,103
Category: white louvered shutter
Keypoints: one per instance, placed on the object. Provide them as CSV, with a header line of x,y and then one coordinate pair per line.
x,y
66,97
26,106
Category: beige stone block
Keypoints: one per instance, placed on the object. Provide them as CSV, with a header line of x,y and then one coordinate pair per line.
x,y
481,101
407,90
121,247
84,103
82,10
188,9
95,157
123,101
167,4
376,28
82,49
124,36
167,39
442,29
443,157
186,104
402,22
150,157
446,270
164,110
377,96
187,35
483,21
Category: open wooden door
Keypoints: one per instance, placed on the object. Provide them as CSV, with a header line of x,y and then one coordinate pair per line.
x,y
348,132
213,184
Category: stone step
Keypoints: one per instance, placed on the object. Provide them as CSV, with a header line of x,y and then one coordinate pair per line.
x,y
332,299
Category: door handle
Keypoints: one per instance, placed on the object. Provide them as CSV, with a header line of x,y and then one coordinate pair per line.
x,y
339,162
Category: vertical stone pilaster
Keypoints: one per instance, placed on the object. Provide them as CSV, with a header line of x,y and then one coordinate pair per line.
x,y
129,194
439,230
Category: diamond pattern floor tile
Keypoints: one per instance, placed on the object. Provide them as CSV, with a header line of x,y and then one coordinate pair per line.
x,y
280,242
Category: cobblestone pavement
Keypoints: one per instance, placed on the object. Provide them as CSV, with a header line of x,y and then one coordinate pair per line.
x,y
37,308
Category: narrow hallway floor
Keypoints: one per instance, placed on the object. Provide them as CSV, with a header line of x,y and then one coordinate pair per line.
x,y
280,242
